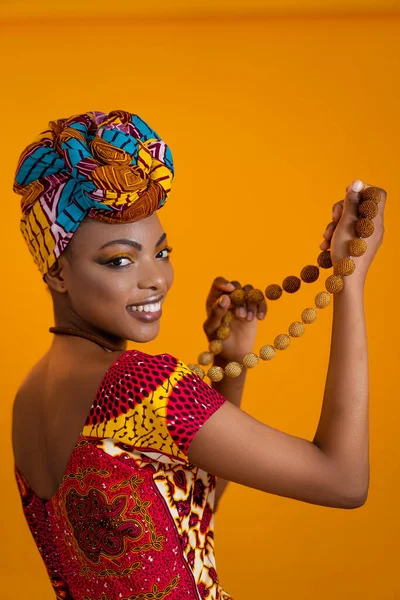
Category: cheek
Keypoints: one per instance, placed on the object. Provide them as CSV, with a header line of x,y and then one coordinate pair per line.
x,y
98,285
170,275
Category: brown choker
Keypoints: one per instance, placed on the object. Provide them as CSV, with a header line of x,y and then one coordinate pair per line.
x,y
88,336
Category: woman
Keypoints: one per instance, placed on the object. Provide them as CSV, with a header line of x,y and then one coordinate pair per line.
x,y
123,506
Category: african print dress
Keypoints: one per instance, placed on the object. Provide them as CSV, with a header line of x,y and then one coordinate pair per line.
x,y
132,519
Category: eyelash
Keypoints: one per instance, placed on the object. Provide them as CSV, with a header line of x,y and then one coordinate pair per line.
x,y
167,249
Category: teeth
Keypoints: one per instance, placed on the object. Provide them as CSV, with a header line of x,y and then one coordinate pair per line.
x,y
147,307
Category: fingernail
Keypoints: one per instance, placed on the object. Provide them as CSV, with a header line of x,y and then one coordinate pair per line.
x,y
249,316
224,301
242,312
261,316
357,185
230,286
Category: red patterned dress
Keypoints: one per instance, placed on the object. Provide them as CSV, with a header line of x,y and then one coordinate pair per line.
x,y
132,519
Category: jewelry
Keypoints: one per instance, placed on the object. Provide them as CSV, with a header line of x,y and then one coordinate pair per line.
x,y
367,210
88,336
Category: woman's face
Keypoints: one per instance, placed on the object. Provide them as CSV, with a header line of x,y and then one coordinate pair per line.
x,y
115,278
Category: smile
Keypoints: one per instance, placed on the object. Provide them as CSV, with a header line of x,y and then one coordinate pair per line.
x,y
146,307
146,312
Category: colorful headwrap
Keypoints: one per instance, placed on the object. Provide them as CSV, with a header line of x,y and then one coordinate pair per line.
x,y
113,168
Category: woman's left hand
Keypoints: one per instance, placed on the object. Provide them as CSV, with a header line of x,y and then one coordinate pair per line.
x,y
244,325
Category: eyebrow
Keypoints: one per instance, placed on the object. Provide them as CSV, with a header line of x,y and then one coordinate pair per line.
x,y
126,242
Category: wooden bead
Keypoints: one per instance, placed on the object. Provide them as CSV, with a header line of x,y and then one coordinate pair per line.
x,y
364,228
291,284
324,259
309,274
273,291
368,209
309,315
215,373
345,266
233,369
250,360
357,247
281,341
267,352
296,329
334,284
255,296
322,300
228,317
192,366
223,332
238,297
215,346
205,358
371,193
199,372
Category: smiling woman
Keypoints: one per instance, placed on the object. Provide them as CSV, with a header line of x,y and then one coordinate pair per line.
x,y
121,490
116,504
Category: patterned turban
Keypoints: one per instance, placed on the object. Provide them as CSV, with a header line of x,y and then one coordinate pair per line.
x,y
113,168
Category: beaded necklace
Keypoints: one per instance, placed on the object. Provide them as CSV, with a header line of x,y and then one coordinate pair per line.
x,y
364,228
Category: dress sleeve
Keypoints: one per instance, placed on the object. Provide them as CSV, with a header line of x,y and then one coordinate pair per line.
x,y
155,404
190,404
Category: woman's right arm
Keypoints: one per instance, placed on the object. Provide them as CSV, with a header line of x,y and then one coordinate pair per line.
x,y
333,469
330,471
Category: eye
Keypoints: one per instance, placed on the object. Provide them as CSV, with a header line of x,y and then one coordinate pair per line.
x,y
116,262
166,250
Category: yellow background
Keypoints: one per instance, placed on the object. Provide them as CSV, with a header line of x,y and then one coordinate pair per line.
x,y
269,119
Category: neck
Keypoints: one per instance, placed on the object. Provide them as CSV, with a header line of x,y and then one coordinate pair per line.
x,y
93,335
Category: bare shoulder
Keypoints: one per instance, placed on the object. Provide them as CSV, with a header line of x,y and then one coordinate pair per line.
x,y
49,412
56,375
235,446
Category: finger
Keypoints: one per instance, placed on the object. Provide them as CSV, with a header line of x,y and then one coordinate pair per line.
x,y
325,245
251,307
255,309
216,314
327,235
218,286
220,283
337,211
240,311
352,200
262,309
330,228
381,207
350,213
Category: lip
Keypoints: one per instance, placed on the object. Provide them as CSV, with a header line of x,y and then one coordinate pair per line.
x,y
151,300
146,317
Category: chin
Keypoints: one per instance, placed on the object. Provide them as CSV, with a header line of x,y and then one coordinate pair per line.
x,y
145,333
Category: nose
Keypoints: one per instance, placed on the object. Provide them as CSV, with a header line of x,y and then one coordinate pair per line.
x,y
151,276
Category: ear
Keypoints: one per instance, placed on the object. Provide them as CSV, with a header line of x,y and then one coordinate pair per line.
x,y
54,278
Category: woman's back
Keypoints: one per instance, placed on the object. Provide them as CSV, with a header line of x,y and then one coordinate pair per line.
x,y
50,410
117,507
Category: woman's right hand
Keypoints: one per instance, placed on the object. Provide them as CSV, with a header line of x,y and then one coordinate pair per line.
x,y
342,229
